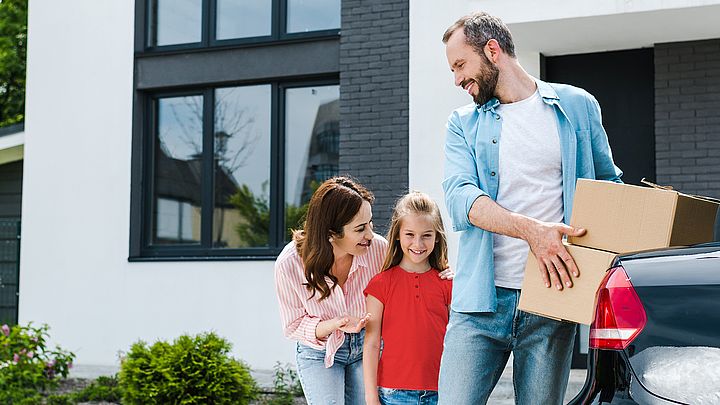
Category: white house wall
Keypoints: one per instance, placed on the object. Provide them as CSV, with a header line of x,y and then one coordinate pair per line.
x,y
76,197
555,27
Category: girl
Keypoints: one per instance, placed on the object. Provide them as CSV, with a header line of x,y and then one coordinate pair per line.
x,y
409,306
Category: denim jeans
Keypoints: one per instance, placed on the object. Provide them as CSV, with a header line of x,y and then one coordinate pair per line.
x,y
391,396
340,384
478,345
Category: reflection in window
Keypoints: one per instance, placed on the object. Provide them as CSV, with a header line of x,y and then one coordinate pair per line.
x,y
312,136
178,164
312,15
242,167
176,22
243,18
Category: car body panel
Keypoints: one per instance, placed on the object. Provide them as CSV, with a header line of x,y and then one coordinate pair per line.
x,y
676,358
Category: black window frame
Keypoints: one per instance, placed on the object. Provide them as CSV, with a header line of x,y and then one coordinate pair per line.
x,y
204,250
278,30
191,69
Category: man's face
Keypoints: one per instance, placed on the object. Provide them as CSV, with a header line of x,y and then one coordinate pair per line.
x,y
473,71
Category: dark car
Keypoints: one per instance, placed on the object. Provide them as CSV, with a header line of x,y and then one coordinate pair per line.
x,y
656,334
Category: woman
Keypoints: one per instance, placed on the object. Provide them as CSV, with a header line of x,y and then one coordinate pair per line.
x,y
320,277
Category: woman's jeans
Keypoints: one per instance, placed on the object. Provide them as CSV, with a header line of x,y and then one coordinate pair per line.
x,y
391,396
478,345
340,384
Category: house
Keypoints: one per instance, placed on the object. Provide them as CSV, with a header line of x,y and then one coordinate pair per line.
x,y
166,142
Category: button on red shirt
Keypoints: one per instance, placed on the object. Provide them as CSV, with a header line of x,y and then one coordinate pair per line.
x,y
415,315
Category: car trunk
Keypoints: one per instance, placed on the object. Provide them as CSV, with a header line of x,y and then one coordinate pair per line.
x,y
677,355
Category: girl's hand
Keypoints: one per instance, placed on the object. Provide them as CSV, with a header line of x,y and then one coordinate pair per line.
x,y
353,324
447,274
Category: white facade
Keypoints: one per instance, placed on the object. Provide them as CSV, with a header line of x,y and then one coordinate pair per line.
x,y
556,27
75,275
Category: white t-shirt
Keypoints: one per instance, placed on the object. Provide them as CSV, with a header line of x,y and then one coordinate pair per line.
x,y
530,178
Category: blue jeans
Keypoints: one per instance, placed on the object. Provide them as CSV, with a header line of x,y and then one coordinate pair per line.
x,y
391,396
478,345
340,384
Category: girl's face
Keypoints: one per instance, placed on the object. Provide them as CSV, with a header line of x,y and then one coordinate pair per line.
x,y
417,240
357,234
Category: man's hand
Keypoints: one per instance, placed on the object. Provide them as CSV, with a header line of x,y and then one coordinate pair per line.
x,y
554,261
447,274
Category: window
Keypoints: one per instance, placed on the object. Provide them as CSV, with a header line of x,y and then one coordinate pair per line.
x,y
214,184
230,143
202,23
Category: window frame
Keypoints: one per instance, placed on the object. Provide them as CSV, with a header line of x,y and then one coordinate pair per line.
x,y
141,247
208,37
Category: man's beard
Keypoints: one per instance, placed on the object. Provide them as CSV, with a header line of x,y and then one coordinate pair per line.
x,y
486,82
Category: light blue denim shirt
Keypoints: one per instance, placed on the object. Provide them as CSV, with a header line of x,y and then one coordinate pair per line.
x,y
471,171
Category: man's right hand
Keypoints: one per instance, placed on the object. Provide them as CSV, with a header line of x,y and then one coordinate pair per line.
x,y
554,261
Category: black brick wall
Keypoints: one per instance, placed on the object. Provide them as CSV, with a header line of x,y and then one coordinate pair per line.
x,y
374,54
687,116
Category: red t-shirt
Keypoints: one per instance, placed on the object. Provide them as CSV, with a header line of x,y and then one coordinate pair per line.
x,y
415,316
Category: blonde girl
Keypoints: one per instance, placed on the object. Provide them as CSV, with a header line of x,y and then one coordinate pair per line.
x,y
409,307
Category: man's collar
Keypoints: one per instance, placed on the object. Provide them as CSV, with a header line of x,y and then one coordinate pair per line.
x,y
546,91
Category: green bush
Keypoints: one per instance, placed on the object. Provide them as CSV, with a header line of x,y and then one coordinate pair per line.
x,y
191,370
286,386
27,366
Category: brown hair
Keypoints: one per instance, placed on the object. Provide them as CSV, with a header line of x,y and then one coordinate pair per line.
x,y
333,205
479,28
416,203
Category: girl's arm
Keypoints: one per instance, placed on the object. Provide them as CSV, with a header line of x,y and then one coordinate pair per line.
x,y
371,349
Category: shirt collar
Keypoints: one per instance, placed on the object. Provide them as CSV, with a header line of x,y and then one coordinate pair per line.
x,y
548,94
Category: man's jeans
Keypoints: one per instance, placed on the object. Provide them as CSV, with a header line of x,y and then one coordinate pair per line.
x,y
478,345
340,384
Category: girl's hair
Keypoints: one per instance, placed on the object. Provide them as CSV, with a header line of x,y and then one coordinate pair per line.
x,y
333,205
416,203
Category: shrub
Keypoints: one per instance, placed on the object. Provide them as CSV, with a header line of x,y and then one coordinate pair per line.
x,y
191,370
286,386
27,366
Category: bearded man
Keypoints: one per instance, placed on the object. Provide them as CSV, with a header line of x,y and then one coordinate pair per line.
x,y
512,159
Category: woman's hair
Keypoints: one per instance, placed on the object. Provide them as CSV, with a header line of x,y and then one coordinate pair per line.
x,y
416,203
333,205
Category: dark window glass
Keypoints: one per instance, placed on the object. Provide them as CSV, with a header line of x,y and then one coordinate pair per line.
x,y
175,22
243,18
178,170
311,144
312,15
242,167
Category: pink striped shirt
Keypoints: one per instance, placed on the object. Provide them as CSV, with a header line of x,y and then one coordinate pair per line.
x,y
301,314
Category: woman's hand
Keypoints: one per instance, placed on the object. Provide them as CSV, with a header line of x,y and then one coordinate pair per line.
x,y
447,274
353,324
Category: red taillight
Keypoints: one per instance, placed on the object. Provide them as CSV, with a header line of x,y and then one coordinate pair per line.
x,y
619,315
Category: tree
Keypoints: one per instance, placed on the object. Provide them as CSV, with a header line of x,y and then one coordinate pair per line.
x,y
13,51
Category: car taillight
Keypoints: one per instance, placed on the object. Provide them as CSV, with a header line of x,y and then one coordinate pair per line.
x,y
619,315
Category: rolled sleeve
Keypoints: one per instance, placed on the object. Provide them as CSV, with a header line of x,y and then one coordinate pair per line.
x,y
297,324
605,168
461,180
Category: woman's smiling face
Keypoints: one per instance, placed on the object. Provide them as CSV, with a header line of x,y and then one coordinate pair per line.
x,y
357,234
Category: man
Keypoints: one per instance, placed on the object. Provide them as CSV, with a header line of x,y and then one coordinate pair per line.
x,y
512,160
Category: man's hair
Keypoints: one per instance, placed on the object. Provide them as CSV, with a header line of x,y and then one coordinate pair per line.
x,y
479,28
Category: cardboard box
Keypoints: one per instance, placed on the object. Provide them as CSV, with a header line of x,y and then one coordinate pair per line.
x,y
625,218
576,304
